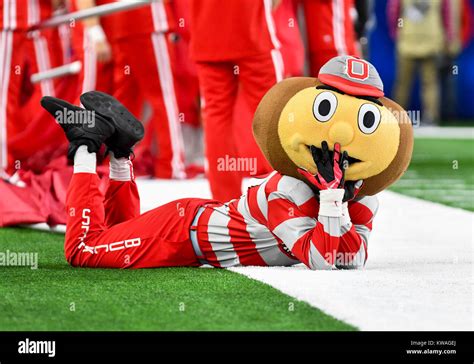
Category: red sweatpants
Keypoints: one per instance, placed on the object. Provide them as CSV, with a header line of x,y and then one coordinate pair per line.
x,y
21,54
330,31
94,75
111,233
142,72
220,84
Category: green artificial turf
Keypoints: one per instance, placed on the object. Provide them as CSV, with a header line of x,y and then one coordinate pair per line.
x,y
58,297
441,170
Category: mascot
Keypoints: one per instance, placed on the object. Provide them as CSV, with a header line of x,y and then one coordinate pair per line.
x,y
334,143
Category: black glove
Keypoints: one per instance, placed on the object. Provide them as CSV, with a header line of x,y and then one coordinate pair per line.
x,y
326,163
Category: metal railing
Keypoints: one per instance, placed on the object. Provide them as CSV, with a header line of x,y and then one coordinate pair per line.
x,y
55,21
100,10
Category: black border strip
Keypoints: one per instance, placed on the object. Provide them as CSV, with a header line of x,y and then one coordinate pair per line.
x,y
343,345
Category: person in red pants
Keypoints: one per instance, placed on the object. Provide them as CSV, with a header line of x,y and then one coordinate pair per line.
x,y
236,48
330,31
143,61
91,46
16,17
292,52
109,231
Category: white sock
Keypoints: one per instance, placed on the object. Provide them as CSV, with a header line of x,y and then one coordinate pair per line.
x,y
121,169
84,162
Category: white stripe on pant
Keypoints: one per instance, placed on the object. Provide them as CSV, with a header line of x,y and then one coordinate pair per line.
x,y
169,97
43,62
6,46
338,26
90,65
275,53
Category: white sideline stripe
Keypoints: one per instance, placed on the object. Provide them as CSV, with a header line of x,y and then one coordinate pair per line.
x,y
434,191
45,227
153,193
419,273
441,132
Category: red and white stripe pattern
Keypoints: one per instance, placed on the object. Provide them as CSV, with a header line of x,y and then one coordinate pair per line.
x,y
160,48
160,20
163,63
275,53
8,22
338,21
9,15
277,224
33,12
43,60
90,64
21,14
6,48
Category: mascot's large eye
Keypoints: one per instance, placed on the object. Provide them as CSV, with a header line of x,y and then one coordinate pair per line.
x,y
369,118
324,106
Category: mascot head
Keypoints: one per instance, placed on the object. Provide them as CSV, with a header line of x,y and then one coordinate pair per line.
x,y
344,105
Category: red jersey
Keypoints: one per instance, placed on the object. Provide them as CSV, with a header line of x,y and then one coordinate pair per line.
x,y
22,14
231,29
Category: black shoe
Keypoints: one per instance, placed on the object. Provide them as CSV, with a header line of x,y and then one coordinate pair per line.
x,y
82,127
128,129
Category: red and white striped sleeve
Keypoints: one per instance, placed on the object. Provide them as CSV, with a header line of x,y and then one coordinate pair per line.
x,y
291,216
353,246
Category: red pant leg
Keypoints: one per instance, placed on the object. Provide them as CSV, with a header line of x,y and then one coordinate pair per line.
x,y
40,59
187,84
158,238
40,133
147,60
122,202
257,75
12,73
288,33
219,89
94,75
318,58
